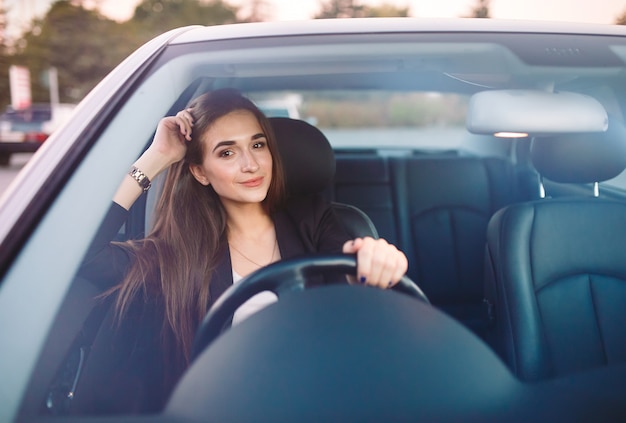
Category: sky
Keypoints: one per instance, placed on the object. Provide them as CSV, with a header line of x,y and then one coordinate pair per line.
x,y
20,12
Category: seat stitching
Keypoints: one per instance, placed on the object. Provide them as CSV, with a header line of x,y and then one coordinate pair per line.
x,y
447,207
542,328
505,295
490,187
597,319
559,278
455,248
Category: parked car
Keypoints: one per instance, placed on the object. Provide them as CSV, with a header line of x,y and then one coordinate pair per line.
x,y
24,130
491,152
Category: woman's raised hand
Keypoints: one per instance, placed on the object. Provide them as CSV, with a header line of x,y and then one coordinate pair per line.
x,y
168,147
378,262
172,135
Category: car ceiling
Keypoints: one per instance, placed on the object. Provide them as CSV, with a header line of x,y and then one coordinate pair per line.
x,y
420,62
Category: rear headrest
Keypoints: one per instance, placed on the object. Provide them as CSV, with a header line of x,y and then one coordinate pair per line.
x,y
308,158
581,158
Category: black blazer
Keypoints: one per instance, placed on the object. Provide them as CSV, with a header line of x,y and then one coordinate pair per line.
x,y
135,372
305,225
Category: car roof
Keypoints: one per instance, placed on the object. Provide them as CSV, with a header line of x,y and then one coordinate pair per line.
x,y
446,55
390,25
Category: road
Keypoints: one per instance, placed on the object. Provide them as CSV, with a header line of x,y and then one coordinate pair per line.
x,y
7,173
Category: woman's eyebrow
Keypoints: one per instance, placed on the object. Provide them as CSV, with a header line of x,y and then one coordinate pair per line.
x,y
231,142
222,144
257,136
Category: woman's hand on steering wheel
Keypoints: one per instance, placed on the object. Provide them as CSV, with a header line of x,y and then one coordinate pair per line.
x,y
379,263
280,277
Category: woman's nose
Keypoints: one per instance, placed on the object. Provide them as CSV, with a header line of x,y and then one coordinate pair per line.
x,y
249,163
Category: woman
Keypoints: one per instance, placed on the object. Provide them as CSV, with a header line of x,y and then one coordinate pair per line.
x,y
221,216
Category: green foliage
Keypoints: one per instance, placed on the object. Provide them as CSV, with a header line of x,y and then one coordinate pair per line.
x,y
340,9
85,46
352,9
80,43
375,110
386,10
481,10
621,19
153,17
5,63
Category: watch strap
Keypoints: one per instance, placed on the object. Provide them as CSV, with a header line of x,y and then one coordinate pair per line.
x,y
141,178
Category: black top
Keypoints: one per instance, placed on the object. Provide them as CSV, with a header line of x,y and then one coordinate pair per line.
x,y
134,370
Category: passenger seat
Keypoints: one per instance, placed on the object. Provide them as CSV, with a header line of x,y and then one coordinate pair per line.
x,y
557,266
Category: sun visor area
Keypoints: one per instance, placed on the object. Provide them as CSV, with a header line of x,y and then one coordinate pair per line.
x,y
534,112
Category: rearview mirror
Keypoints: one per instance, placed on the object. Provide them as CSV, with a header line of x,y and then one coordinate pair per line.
x,y
534,112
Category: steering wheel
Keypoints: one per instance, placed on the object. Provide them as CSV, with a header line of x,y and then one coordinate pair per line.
x,y
280,278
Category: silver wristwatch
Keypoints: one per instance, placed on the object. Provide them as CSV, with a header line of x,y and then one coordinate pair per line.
x,y
141,178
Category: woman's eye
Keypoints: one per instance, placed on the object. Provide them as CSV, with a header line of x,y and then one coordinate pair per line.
x,y
226,153
259,144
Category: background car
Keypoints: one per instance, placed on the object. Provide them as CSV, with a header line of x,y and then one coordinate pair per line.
x,y
490,152
24,130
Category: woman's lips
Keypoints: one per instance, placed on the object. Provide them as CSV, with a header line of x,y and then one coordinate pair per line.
x,y
251,183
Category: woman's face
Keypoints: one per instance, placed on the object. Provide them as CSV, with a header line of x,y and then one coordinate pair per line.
x,y
237,161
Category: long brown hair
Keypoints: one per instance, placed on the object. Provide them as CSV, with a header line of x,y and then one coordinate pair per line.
x,y
176,260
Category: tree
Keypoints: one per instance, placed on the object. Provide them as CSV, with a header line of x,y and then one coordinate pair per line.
x,y
82,61
340,9
386,10
257,11
480,10
621,19
153,17
5,90
352,9
85,46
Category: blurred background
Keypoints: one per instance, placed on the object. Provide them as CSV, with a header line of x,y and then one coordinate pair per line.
x,y
53,52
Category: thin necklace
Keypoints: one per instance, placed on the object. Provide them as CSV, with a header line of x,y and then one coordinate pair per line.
x,y
252,261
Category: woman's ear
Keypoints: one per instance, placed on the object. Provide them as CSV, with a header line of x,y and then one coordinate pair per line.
x,y
198,174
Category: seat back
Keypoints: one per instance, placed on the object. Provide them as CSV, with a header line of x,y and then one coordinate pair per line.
x,y
556,268
363,179
309,164
444,204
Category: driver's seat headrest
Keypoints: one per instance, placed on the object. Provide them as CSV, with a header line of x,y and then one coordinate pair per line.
x,y
308,159
581,158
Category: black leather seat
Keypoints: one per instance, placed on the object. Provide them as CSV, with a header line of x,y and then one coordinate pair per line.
x,y
363,179
444,203
556,267
309,164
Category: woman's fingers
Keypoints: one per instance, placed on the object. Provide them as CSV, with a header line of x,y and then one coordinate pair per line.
x,y
385,278
351,247
184,119
172,135
378,262
402,265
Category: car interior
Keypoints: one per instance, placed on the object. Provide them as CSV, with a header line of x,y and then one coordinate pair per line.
x,y
515,244
563,296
